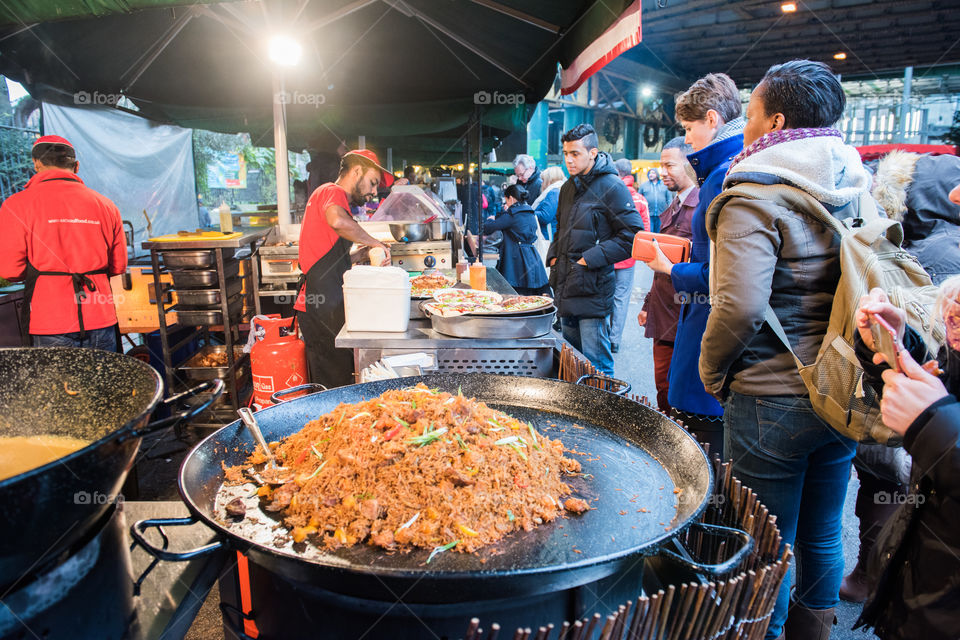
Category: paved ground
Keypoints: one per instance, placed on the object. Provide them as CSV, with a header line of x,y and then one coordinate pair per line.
x,y
634,364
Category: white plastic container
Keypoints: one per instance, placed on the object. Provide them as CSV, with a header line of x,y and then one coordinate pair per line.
x,y
376,299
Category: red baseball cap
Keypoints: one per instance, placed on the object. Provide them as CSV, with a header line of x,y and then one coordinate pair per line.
x,y
52,140
386,178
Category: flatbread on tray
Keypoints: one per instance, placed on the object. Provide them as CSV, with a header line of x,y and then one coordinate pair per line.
x,y
424,286
458,302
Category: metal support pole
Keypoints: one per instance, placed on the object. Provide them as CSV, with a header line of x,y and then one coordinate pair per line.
x,y
480,182
905,104
280,149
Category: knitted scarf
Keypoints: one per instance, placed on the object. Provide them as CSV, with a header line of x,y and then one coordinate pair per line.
x,y
768,140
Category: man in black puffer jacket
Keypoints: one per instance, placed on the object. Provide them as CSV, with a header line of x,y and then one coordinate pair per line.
x,y
596,222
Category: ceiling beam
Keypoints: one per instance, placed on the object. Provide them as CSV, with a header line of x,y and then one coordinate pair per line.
x,y
518,15
342,12
839,39
835,19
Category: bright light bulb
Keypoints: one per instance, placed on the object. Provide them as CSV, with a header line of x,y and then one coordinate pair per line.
x,y
646,92
788,7
840,56
285,51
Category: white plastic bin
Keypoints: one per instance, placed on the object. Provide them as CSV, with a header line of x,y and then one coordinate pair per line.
x,y
376,299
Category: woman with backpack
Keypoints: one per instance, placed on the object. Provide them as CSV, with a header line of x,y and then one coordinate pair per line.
x,y
520,264
915,566
772,252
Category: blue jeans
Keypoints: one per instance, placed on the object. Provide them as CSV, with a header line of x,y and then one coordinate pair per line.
x,y
655,224
799,468
591,337
105,339
621,302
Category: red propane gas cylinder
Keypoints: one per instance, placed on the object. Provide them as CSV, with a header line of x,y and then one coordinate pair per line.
x,y
277,361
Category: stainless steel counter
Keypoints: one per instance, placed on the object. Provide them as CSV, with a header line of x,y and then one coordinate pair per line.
x,y
515,356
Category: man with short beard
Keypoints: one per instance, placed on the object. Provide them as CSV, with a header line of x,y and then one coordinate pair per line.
x,y
660,313
325,239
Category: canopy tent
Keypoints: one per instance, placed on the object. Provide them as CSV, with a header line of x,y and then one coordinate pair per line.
x,y
404,73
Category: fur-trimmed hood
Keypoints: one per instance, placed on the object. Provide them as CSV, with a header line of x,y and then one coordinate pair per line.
x,y
894,174
914,189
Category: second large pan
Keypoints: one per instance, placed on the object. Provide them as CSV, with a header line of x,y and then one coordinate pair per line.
x,y
648,480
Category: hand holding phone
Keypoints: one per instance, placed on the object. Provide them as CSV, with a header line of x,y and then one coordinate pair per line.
x,y
885,341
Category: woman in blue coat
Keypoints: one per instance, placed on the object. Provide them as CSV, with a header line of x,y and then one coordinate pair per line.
x,y
710,112
520,264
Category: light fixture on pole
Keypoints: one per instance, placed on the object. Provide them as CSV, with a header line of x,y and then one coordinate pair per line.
x,y
840,55
646,91
788,7
284,52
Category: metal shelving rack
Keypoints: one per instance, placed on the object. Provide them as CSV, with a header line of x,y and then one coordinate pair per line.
x,y
232,323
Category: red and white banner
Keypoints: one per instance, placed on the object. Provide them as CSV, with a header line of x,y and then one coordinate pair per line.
x,y
622,35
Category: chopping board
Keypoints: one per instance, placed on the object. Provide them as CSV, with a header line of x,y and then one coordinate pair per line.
x,y
194,235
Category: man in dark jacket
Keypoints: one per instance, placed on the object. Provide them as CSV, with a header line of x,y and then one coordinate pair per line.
x,y
660,313
596,222
528,176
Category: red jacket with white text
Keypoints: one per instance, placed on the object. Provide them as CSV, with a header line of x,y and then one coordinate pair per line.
x,y
59,224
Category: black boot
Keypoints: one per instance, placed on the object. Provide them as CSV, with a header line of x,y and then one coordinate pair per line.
x,y
873,514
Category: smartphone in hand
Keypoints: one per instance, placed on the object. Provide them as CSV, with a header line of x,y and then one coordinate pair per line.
x,y
885,341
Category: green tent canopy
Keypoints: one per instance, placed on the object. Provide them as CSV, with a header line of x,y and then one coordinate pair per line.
x,y
404,73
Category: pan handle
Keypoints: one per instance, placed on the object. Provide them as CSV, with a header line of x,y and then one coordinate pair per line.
x,y
276,396
622,387
721,568
216,389
137,530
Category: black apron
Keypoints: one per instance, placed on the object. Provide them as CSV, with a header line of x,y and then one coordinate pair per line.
x,y
324,317
81,284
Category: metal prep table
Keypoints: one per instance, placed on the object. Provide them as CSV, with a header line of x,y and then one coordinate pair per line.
x,y
231,330
513,356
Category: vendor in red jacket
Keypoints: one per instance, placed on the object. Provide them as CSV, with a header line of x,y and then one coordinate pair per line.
x,y
326,236
64,241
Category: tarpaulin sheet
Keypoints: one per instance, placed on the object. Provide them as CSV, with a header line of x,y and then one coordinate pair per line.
x,y
136,163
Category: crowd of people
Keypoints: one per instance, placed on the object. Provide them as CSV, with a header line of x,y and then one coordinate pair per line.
x,y
765,199
732,326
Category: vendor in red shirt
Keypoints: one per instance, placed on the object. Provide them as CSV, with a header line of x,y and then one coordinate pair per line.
x,y
64,241
326,236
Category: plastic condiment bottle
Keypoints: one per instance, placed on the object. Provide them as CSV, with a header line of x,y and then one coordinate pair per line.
x,y
462,271
478,276
226,218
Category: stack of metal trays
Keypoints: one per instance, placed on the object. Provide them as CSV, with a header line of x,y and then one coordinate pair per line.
x,y
206,298
211,315
531,325
193,258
